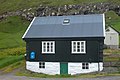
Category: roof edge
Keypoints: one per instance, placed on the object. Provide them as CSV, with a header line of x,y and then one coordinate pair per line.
x,y
28,28
114,29
104,25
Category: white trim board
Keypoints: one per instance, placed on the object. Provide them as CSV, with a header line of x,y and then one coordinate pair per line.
x,y
28,28
104,25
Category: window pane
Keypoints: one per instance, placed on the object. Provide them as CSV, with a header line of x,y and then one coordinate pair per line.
x,y
44,50
78,43
74,43
74,47
43,66
78,50
47,49
51,50
83,64
82,50
40,67
83,67
82,43
51,43
44,47
51,47
43,63
44,44
87,67
47,43
78,47
74,50
82,46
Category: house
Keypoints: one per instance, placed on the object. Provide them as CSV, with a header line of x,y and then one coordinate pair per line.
x,y
65,44
112,38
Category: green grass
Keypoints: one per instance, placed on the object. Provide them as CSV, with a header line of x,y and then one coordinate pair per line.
x,y
13,5
111,55
92,75
111,59
113,19
111,51
8,60
10,56
11,31
12,67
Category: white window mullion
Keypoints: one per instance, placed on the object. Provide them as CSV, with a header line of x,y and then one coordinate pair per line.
x,y
75,46
72,46
84,46
49,46
80,47
53,46
46,46
42,47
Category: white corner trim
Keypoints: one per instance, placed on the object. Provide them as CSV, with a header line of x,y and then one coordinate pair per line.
x,y
104,25
28,27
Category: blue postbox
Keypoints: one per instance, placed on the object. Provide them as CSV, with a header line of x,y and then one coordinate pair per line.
x,y
32,55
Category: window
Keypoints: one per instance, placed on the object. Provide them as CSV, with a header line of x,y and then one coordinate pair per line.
x,y
85,66
41,64
66,22
78,47
48,47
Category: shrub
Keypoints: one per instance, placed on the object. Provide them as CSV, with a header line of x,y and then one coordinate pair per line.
x,y
13,51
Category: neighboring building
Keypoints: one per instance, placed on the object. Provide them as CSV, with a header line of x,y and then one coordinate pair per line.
x,y
65,44
112,38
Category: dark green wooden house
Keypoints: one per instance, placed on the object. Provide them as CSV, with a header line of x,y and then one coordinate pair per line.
x,y
65,44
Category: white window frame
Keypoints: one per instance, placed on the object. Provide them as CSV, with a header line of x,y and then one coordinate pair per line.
x,y
85,66
45,47
41,64
75,47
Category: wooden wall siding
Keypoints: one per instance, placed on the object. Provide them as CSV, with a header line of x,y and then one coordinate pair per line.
x,y
63,52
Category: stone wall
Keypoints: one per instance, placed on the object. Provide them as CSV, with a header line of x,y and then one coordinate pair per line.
x,y
77,9
64,10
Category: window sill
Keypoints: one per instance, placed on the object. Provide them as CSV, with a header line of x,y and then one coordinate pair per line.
x,y
47,53
78,53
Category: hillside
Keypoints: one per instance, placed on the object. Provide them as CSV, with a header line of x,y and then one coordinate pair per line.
x,y
13,5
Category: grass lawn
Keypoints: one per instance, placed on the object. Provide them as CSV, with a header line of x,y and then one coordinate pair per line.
x,y
11,31
5,61
11,59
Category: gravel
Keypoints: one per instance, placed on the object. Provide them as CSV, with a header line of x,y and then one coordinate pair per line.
x,y
11,77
